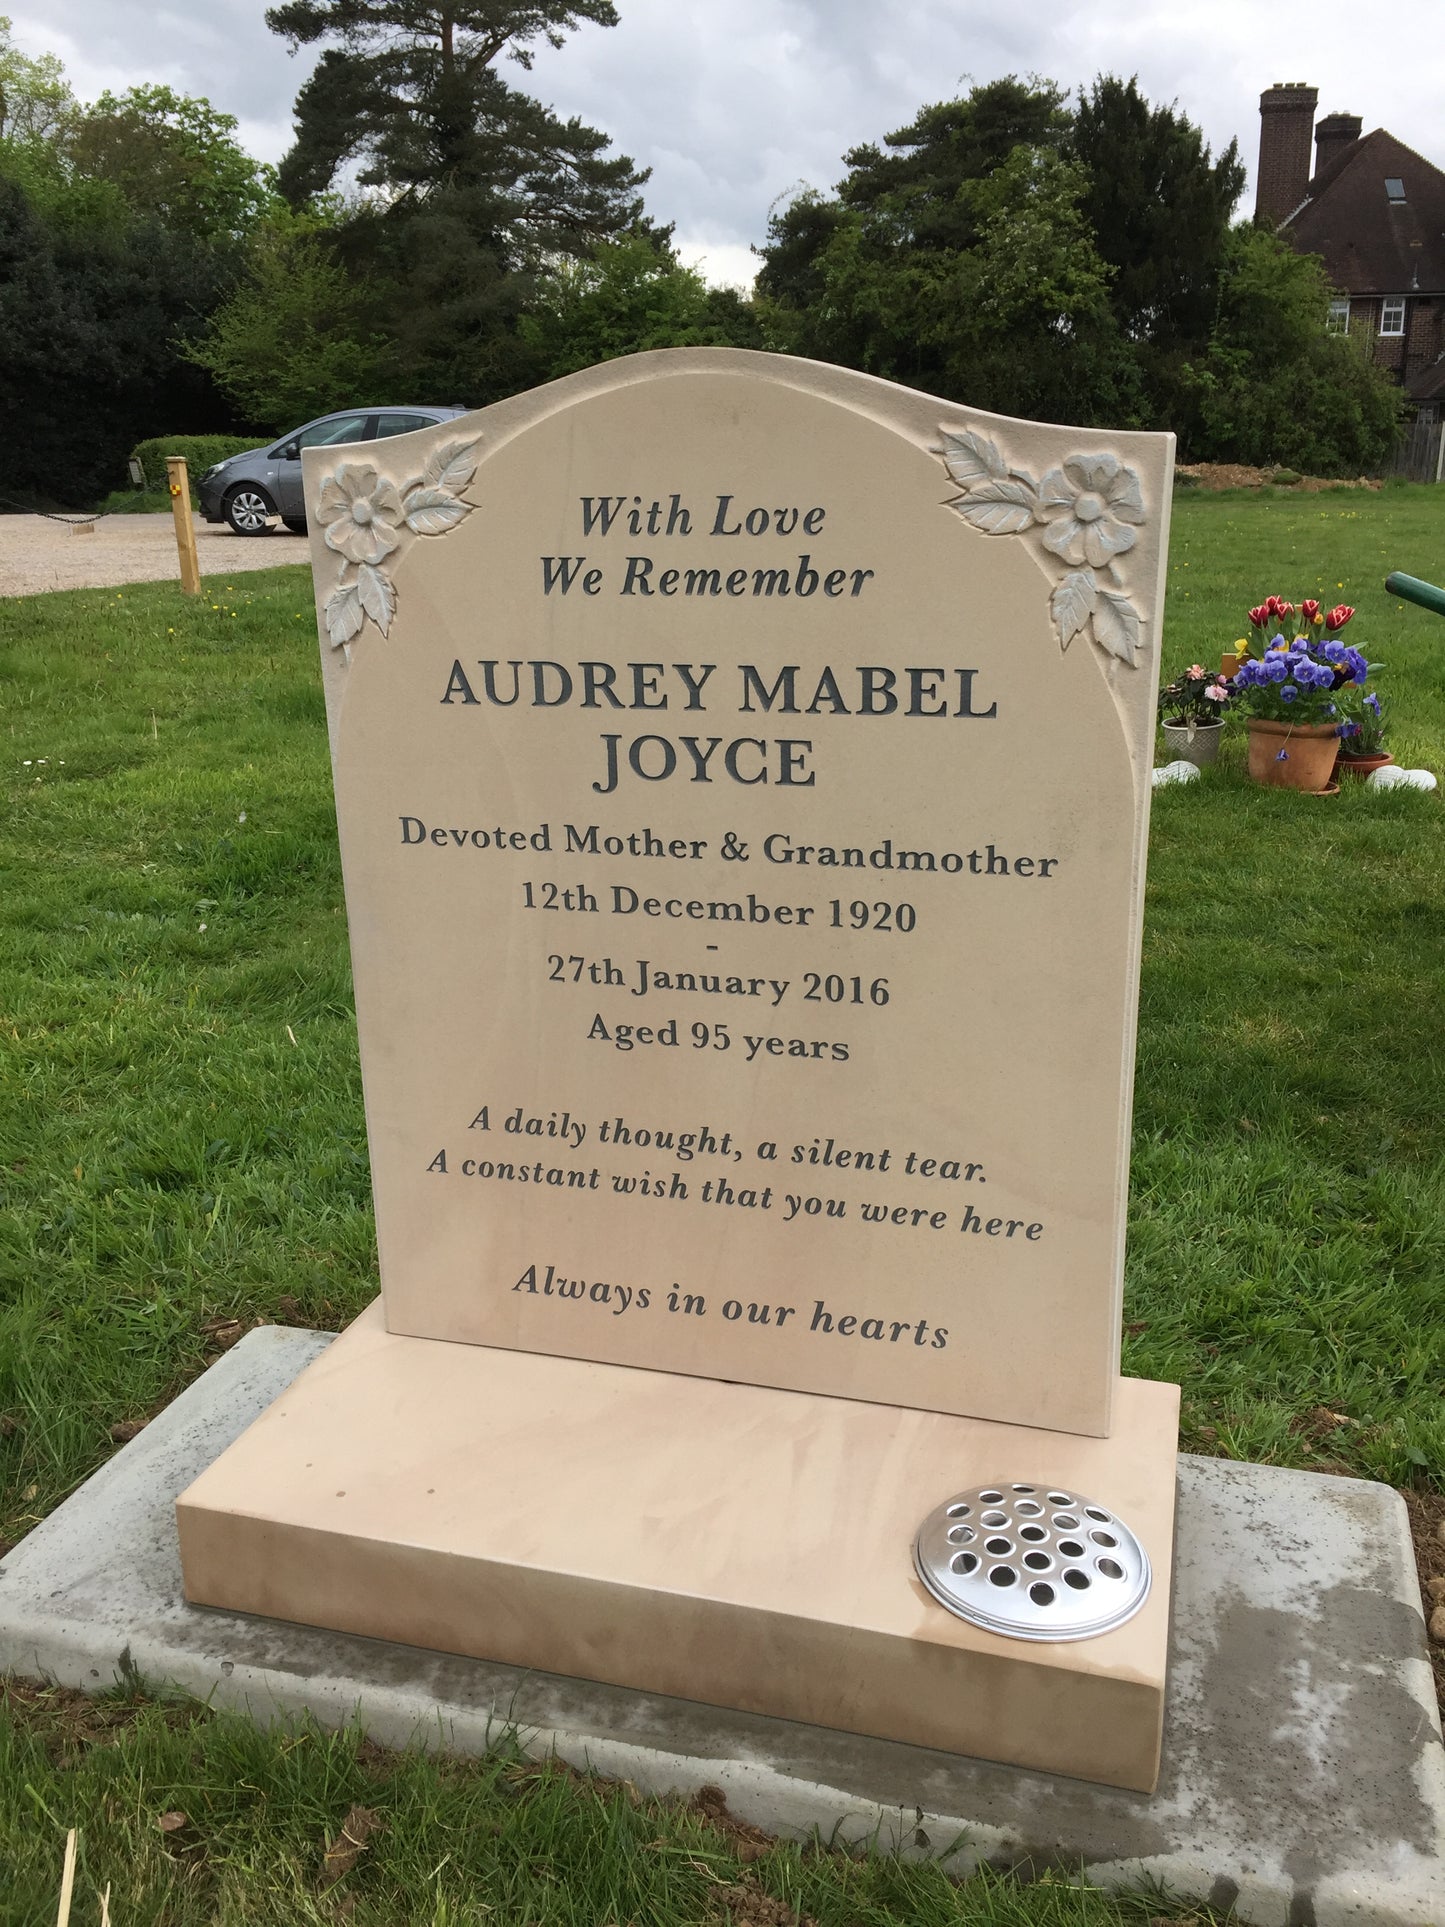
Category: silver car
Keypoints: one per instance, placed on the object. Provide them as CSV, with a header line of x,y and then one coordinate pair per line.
x,y
251,490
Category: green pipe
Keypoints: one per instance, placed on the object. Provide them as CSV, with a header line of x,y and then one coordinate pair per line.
x,y
1411,589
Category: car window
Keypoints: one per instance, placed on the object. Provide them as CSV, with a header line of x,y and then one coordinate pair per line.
x,y
400,424
342,428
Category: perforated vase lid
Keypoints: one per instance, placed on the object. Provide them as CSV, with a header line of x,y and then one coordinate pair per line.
x,y
1032,1562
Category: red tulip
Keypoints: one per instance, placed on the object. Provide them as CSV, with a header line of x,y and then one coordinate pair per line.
x,y
1338,616
1260,616
1310,609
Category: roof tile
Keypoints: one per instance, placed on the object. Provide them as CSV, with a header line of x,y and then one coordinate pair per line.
x,y
1370,244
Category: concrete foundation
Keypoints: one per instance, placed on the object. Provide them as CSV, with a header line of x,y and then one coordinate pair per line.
x,y
1302,1779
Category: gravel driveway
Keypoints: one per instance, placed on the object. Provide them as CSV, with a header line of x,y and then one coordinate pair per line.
x,y
36,554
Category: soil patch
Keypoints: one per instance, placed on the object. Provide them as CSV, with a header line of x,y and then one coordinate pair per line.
x,y
1212,476
747,1842
1427,1525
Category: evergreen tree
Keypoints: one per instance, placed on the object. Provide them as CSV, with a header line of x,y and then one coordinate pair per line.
x,y
916,189
923,178
411,90
959,261
1160,209
90,318
121,229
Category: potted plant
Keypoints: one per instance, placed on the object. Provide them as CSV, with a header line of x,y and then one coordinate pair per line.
x,y
1191,710
1291,690
1362,735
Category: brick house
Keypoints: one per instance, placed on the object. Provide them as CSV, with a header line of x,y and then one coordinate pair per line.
x,y
1375,210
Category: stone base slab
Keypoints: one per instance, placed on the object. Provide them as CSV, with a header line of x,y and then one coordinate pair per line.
x,y
1301,1780
736,1544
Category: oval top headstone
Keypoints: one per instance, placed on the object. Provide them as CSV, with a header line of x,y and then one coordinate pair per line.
x,y
742,769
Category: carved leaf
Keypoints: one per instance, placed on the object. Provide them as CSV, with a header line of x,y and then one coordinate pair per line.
x,y
343,614
970,457
1072,603
998,508
453,465
377,596
432,511
1117,628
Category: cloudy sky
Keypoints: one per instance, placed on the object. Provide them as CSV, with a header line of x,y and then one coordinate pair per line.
x,y
735,103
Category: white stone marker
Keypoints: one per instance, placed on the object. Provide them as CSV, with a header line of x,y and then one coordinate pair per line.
x,y
742,772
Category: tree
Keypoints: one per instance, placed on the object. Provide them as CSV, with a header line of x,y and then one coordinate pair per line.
x,y
118,232
916,189
1075,265
945,148
960,261
90,319
411,90
37,112
171,157
472,191
1274,385
298,337
632,295
1159,207
36,103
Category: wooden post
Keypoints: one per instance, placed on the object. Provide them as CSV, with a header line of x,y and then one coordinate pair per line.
x,y
185,529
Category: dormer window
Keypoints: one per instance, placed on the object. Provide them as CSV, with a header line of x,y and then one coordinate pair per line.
x,y
1394,189
1392,317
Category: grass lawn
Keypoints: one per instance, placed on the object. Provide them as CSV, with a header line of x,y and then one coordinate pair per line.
x,y
182,1153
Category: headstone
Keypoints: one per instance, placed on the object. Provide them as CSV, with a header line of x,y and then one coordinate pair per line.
x,y
742,770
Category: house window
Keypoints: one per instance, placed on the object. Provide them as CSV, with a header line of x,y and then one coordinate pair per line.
x,y
1394,189
1392,317
1339,322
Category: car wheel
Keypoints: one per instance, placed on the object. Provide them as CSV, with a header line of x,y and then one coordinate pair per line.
x,y
248,510
296,523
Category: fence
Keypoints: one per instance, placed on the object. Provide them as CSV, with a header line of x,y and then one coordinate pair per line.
x,y
1421,454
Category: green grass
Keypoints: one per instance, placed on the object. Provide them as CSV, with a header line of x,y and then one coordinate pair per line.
x,y
181,1143
172,921
1287,1228
496,1841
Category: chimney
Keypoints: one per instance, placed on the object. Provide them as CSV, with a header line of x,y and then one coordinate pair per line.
x,y
1334,134
1286,121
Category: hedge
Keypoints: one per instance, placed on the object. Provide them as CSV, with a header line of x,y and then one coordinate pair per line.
x,y
201,452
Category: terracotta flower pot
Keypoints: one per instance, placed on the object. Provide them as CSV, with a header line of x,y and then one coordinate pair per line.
x,y
1292,756
1362,766
1197,744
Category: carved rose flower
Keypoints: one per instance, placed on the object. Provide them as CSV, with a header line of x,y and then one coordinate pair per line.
x,y
1089,504
361,514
